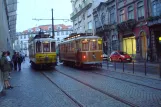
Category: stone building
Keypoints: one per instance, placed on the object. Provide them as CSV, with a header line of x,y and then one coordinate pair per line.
x,y
8,10
105,25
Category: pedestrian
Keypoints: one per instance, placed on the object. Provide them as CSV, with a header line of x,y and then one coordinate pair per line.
x,y
2,92
5,68
10,62
19,61
14,60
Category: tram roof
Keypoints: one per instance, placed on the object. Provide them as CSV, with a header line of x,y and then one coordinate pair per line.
x,y
81,37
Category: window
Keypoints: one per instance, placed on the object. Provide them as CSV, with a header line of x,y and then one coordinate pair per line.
x,y
62,32
90,25
99,44
66,32
93,44
156,4
58,39
46,47
103,18
112,13
58,33
52,46
24,36
140,7
130,12
85,45
122,15
38,46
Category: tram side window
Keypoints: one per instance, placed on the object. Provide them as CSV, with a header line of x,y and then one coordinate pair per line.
x,y
52,46
93,45
46,47
99,44
38,46
85,45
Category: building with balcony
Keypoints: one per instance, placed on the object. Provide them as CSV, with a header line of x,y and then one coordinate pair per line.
x,y
154,23
8,15
132,27
82,16
105,25
61,31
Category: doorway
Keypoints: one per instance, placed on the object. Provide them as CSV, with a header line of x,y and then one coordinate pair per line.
x,y
143,45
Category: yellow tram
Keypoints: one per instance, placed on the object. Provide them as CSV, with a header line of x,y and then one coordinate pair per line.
x,y
42,51
81,50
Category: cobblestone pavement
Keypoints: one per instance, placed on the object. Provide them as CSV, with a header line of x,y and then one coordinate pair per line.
x,y
140,95
32,89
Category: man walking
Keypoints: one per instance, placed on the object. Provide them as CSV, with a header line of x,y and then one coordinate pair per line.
x,y
15,59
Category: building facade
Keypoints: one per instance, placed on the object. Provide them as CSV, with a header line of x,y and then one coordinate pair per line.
x,y
61,31
105,21
7,24
154,24
132,27
82,16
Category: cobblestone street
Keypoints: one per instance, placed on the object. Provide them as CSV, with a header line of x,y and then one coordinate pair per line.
x,y
71,87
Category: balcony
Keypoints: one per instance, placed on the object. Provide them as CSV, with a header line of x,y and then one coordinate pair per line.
x,y
155,20
126,26
82,7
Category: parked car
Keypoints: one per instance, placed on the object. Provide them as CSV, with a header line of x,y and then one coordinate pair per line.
x,y
104,56
120,56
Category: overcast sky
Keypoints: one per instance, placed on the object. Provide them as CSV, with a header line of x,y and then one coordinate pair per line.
x,y
41,9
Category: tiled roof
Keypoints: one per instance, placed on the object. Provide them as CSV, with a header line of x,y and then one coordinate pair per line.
x,y
46,27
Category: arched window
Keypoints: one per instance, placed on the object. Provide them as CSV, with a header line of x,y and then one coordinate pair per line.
x,y
130,12
140,8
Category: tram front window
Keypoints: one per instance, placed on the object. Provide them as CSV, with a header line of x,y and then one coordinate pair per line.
x,y
52,46
93,45
46,47
38,46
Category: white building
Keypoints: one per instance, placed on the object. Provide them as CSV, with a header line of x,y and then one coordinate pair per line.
x,y
61,31
82,15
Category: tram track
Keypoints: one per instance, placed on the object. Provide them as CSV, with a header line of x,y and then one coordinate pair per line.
x,y
69,96
101,91
126,81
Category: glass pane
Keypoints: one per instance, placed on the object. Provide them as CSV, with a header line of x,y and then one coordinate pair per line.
x,y
38,46
52,46
46,47
85,45
93,45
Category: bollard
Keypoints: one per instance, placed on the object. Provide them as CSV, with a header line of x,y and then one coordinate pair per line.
x,y
115,66
160,69
133,66
145,67
123,66
107,64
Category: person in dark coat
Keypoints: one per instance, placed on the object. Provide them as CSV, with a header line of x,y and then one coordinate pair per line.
x,y
19,61
14,60
5,68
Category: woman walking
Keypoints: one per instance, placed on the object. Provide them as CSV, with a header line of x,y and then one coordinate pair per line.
x,y
5,68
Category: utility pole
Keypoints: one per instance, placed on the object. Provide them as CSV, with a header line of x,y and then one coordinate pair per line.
x,y
53,34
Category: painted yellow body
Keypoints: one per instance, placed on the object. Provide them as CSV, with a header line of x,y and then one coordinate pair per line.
x,y
44,58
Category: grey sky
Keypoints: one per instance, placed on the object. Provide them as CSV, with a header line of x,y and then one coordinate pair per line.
x,y
29,9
